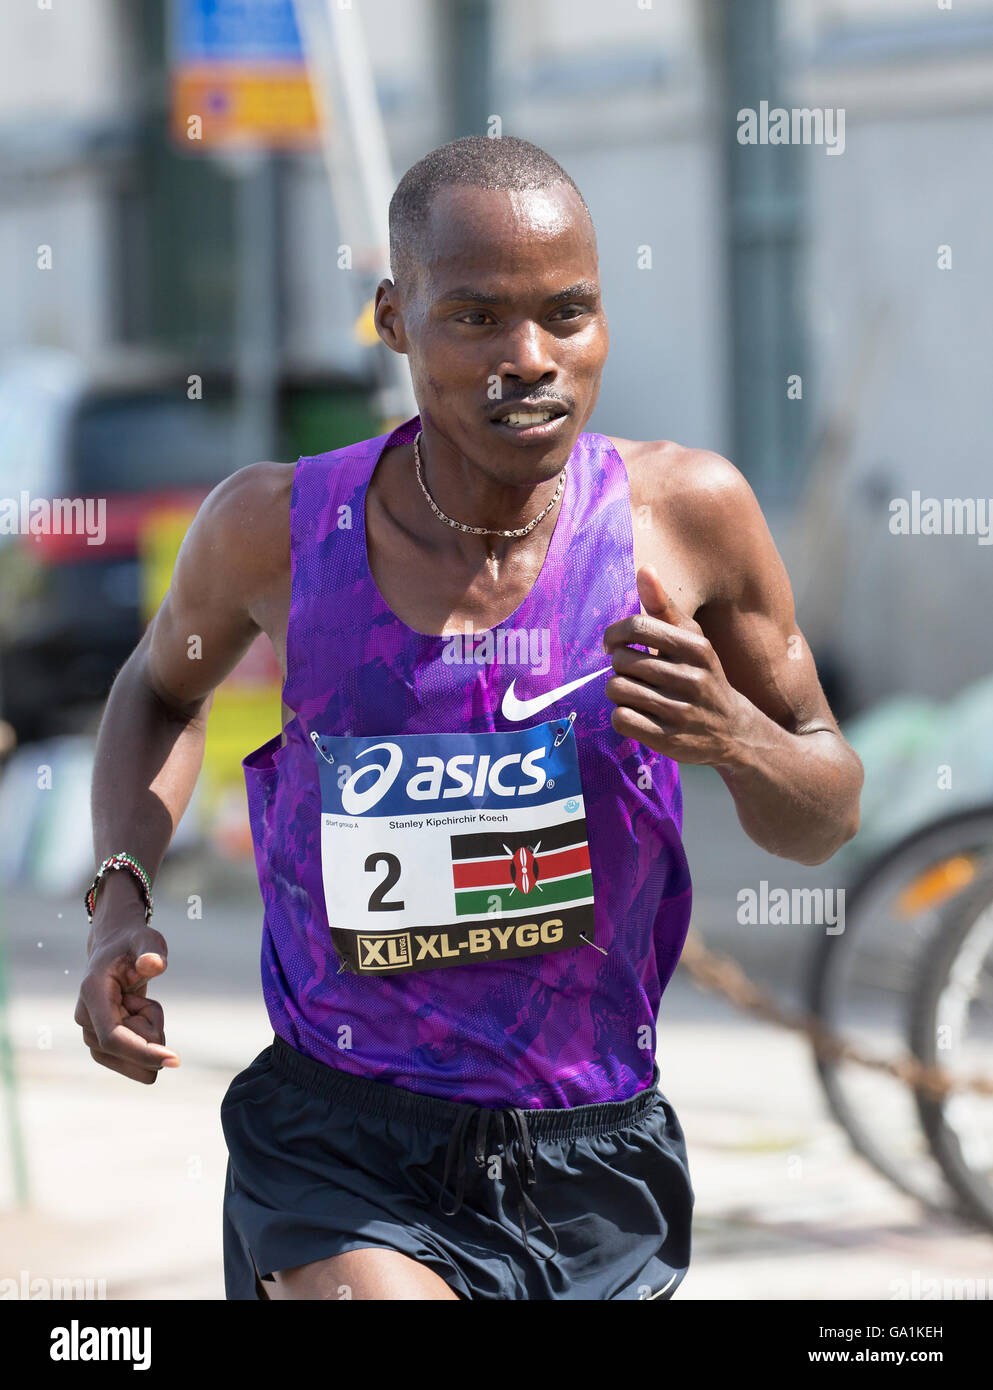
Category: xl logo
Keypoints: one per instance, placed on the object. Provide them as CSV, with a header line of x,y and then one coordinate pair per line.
x,y
471,774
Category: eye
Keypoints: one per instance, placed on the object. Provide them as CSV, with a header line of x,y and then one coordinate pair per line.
x,y
476,314
573,310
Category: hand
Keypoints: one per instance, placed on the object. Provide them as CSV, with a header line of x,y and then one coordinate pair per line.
x,y
678,702
123,1030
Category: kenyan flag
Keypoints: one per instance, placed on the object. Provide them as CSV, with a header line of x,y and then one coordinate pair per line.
x,y
540,871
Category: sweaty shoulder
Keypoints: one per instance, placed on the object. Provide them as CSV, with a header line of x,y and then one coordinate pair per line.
x,y
699,500
241,534
252,507
227,571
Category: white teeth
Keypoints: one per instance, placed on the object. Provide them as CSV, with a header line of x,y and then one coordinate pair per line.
x,y
519,420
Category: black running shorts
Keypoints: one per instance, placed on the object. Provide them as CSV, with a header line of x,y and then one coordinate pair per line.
x,y
591,1202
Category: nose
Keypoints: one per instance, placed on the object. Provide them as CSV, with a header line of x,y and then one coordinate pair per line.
x,y
527,354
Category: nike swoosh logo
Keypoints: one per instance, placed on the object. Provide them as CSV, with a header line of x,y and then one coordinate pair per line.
x,y
515,709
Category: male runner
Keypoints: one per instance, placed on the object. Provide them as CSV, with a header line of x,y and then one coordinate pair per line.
x,y
500,636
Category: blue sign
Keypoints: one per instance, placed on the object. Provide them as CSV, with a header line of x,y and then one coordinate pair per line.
x,y
205,31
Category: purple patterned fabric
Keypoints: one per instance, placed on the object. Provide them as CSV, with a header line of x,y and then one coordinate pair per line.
x,y
569,1028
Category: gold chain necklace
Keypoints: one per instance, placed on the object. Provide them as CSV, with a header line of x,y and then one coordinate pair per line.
x,y
483,530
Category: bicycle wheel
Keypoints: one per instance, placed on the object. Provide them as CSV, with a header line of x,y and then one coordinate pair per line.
x,y
952,1027
862,983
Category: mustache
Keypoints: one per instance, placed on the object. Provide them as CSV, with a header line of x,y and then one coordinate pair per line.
x,y
533,400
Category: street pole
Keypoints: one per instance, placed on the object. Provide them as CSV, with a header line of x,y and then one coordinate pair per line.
x,y
356,156
8,1080
257,347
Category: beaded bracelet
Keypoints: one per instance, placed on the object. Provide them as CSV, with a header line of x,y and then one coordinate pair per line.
x,y
121,861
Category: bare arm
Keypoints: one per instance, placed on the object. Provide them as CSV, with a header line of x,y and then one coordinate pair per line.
x,y
736,686
150,748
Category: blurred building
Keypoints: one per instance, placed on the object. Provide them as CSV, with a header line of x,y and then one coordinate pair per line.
x,y
726,269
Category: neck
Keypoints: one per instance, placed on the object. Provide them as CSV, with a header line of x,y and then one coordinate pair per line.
x,y
467,497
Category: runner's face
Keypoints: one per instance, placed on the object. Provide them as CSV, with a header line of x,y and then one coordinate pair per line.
x,y
507,307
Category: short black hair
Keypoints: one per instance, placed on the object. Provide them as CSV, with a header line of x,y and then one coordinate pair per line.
x,y
474,161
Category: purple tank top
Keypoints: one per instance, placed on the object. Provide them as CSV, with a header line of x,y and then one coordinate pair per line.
x,y
473,887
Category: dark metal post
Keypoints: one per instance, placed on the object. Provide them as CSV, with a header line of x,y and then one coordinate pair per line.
x,y
764,206
468,28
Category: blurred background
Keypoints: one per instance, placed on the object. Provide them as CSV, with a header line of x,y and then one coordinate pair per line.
x,y
193,200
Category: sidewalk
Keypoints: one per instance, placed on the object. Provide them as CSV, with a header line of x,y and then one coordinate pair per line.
x,y
127,1180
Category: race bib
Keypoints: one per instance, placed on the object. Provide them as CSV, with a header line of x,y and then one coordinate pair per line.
x,y
446,849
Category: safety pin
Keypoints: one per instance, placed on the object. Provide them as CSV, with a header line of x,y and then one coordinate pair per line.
x,y
314,735
592,943
562,732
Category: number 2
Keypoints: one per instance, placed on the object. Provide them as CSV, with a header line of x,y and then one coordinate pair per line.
x,y
376,903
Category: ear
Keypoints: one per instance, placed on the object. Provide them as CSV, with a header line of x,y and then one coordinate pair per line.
x,y
387,319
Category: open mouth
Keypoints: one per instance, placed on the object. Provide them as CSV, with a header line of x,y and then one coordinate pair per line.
x,y
532,423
